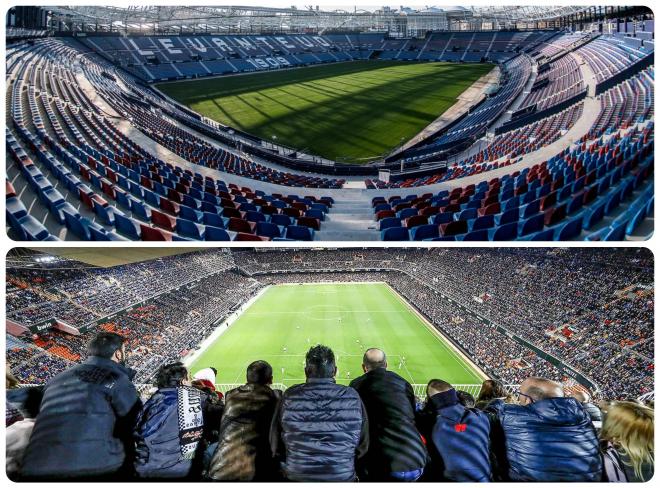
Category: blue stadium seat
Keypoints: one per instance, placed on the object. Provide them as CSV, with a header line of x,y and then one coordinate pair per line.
x,y
106,214
570,229
476,235
508,216
394,234
617,232
103,235
388,222
315,214
191,214
506,232
280,219
593,216
531,225
299,233
484,222
421,232
216,234
187,228
214,220
442,218
128,227
268,229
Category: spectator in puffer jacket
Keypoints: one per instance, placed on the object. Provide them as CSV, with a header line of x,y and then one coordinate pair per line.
x,y
319,428
27,401
85,421
243,451
458,437
490,390
169,432
396,451
545,437
466,399
594,412
627,437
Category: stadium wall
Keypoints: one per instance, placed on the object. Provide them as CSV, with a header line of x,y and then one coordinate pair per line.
x,y
536,116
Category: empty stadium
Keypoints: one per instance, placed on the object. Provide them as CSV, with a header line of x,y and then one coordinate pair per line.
x,y
258,123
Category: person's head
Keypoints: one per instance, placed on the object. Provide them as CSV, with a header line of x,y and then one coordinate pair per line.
x,y
320,362
108,345
629,426
490,390
11,380
373,359
465,399
172,375
437,386
536,389
259,373
581,396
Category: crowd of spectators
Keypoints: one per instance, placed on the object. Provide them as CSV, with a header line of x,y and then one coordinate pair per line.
x,y
374,429
78,296
592,309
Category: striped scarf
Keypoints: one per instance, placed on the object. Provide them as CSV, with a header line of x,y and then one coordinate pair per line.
x,y
191,420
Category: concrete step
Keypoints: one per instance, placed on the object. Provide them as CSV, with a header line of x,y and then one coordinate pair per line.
x,y
342,217
348,235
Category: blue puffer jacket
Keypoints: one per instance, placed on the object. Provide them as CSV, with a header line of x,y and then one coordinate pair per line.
x,y
321,427
460,441
158,450
549,440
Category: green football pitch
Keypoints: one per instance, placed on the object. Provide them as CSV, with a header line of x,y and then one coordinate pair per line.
x,y
286,320
349,112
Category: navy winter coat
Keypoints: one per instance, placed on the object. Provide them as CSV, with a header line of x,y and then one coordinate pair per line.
x,y
84,426
318,431
548,440
158,449
459,443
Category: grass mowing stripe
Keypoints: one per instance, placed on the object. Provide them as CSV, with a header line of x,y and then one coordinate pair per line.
x,y
346,111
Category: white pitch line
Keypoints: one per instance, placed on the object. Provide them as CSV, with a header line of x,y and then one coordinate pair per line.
x,y
470,369
305,312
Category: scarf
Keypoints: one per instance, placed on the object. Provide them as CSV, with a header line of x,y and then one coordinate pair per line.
x,y
191,420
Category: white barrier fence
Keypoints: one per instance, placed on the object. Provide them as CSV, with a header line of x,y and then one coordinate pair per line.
x,y
418,388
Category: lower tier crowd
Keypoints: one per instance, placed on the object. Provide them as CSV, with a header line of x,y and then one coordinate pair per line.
x,y
89,423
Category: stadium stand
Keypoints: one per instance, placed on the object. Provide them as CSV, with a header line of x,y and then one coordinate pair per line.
x,y
97,154
590,309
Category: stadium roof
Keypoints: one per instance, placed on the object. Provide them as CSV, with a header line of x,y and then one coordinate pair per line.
x,y
255,19
103,257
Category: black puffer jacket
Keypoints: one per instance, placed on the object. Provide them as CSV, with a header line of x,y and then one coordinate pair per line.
x,y
84,426
394,442
549,440
319,429
243,452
